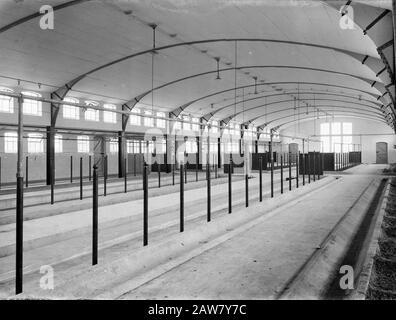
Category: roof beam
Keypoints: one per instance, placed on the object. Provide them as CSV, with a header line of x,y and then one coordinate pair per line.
x,y
375,21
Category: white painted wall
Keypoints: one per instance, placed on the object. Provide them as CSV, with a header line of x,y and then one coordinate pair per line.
x,y
369,133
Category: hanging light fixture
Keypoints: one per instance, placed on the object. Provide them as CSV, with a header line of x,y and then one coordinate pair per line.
x,y
218,68
255,85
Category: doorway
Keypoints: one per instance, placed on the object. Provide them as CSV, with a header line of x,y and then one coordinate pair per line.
x,y
381,153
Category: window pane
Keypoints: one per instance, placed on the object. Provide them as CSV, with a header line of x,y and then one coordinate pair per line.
x,y
83,144
336,128
35,143
135,118
346,128
326,144
108,116
10,142
336,143
6,103
148,121
32,107
71,112
325,128
113,145
58,143
161,122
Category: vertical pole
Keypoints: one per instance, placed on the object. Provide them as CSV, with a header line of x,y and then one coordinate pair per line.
x,y
272,165
105,175
290,171
309,167
145,205
173,174
314,166
303,161
81,178
181,198
319,165
281,173
246,190
159,174
27,171
52,188
89,166
261,178
216,176
196,171
19,205
297,168
125,176
208,194
95,216
0,173
71,169
185,173
230,186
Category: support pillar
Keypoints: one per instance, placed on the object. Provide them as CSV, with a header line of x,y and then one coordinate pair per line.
x,y
50,155
121,154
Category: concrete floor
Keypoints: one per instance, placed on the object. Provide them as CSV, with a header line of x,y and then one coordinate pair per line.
x,y
254,263
257,263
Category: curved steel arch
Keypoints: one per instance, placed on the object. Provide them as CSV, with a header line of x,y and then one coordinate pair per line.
x,y
277,83
290,93
335,116
322,106
338,112
132,102
72,82
38,14
228,119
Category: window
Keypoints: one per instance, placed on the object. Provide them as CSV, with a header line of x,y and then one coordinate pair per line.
x,y
148,120
35,143
113,145
10,142
191,146
215,126
91,114
108,116
161,146
161,122
58,143
186,125
334,135
195,124
147,146
133,146
83,144
6,103
71,112
177,125
135,117
151,146
32,107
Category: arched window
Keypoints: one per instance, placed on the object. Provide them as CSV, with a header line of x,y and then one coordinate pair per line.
x,y
71,112
30,106
92,114
6,103
108,116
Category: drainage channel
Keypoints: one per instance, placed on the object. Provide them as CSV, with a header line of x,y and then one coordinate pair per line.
x,y
357,249
382,283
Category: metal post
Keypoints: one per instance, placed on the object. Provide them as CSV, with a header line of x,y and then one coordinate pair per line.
x,y
95,216
159,174
246,190
81,178
71,169
145,205
314,166
125,176
105,175
27,171
196,171
89,167
209,194
0,172
290,173
297,168
185,173
19,205
309,167
52,189
281,173
229,186
261,178
181,198
272,166
173,174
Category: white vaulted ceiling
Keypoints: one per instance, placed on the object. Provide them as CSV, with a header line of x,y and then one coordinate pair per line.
x,y
306,54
